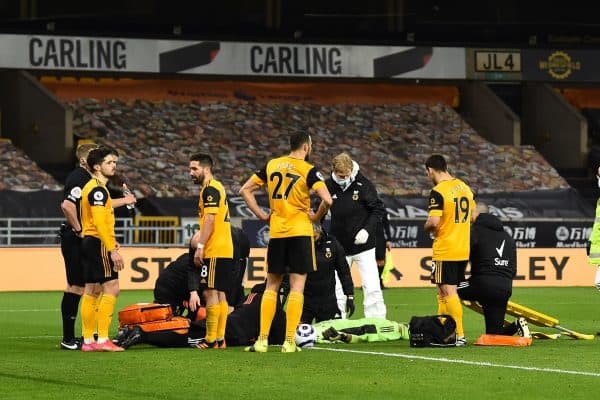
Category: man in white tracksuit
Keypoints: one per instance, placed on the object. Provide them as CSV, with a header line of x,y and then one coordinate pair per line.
x,y
355,213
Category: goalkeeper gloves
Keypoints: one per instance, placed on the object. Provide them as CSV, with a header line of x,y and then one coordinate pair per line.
x,y
350,307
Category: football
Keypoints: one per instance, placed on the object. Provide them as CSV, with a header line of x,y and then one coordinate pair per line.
x,y
305,336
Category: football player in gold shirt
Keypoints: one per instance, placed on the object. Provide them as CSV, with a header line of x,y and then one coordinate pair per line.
x,y
289,180
214,252
100,252
451,208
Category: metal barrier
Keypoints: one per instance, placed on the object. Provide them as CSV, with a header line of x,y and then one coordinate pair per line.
x,y
31,232
527,232
162,236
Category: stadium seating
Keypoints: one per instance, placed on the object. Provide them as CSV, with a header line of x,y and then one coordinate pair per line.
x,y
19,173
389,141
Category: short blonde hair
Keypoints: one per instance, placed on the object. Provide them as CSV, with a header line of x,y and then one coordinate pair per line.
x,y
83,150
342,163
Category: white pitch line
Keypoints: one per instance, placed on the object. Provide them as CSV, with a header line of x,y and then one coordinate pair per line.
x,y
34,337
466,362
34,310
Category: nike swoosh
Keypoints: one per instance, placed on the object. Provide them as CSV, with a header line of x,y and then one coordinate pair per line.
x,y
69,346
500,249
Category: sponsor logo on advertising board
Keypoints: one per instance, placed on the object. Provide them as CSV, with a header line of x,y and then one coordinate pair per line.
x,y
536,267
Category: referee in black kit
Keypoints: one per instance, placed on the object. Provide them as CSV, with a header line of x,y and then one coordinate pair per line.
x,y
70,244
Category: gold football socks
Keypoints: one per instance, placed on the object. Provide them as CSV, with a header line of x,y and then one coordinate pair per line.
x,y
442,306
88,317
293,313
267,313
222,324
212,321
454,307
105,313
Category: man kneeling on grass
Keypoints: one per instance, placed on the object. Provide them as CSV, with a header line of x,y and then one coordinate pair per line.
x,y
493,259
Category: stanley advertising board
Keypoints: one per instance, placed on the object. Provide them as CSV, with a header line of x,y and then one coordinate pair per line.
x,y
37,269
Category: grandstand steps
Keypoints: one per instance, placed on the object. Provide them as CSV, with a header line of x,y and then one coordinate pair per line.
x,y
510,94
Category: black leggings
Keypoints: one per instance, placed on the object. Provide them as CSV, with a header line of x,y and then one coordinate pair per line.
x,y
493,294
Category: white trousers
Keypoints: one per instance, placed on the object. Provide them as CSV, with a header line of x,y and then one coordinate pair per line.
x,y
373,303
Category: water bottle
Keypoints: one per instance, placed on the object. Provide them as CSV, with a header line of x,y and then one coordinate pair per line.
x,y
127,192
130,207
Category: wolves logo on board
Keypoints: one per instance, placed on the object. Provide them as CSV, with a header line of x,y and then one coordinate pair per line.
x,y
560,65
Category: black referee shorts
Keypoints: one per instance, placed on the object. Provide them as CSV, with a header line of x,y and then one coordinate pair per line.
x,y
70,247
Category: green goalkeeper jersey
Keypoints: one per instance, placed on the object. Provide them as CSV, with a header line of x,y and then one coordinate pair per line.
x,y
364,329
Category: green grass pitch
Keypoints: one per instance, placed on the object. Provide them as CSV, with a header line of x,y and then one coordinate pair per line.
x,y
33,367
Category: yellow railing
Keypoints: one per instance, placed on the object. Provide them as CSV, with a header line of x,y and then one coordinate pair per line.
x,y
165,236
